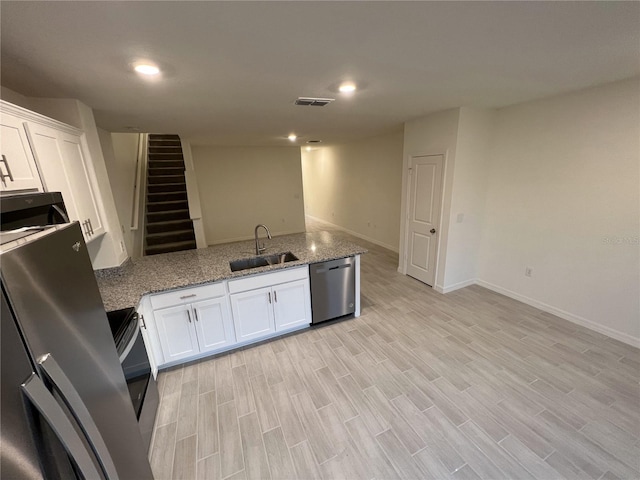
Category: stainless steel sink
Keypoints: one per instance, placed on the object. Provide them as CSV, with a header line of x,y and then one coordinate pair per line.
x,y
262,261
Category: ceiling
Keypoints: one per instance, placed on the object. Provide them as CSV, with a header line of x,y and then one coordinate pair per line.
x,y
232,70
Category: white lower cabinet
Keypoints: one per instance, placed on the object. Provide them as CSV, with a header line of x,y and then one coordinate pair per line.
x,y
291,305
190,329
214,325
263,310
192,322
177,333
253,314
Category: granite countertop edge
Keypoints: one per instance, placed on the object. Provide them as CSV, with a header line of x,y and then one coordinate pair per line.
x,y
124,286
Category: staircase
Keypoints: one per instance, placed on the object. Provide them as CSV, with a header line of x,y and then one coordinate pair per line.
x,y
168,225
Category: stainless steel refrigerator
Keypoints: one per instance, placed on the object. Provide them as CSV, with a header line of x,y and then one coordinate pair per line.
x,y
66,411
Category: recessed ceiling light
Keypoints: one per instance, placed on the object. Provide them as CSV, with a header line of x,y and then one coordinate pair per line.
x,y
347,87
292,137
147,69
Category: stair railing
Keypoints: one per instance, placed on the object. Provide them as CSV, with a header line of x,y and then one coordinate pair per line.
x,y
139,196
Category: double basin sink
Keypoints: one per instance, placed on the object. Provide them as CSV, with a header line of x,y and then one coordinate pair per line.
x,y
262,261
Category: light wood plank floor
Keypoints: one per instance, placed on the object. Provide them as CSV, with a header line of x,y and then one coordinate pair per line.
x,y
466,385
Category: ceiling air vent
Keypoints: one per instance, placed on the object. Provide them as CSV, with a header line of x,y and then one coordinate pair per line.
x,y
314,102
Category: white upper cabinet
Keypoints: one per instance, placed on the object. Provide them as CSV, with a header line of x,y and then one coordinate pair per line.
x,y
77,168
59,153
18,170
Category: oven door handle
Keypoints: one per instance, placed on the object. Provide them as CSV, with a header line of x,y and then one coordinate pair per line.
x,y
130,341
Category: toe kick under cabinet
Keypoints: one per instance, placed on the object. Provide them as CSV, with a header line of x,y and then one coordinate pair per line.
x,y
195,322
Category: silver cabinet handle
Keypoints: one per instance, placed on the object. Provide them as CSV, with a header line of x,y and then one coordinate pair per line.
x,y
53,414
188,296
142,321
189,316
90,226
8,175
275,296
78,409
269,297
195,314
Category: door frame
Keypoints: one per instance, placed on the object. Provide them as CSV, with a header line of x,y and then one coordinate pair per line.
x,y
404,224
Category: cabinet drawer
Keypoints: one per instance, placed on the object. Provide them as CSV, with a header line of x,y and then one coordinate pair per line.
x,y
187,295
268,279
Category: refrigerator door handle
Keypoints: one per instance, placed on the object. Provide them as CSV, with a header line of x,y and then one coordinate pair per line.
x,y
79,411
53,414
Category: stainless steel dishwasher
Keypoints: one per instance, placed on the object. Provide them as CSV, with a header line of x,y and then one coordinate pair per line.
x,y
333,286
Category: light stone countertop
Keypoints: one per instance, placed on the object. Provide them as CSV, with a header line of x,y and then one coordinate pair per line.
x,y
124,286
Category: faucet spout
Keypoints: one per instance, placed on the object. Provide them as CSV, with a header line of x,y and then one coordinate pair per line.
x,y
260,249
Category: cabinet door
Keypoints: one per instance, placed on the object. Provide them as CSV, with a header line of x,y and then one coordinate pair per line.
x,y
46,148
213,324
20,171
291,304
77,169
252,314
177,333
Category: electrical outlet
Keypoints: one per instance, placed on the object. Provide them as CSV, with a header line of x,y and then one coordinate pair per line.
x,y
528,272
122,248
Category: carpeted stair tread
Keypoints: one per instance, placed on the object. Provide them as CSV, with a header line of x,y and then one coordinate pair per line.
x,y
170,247
169,225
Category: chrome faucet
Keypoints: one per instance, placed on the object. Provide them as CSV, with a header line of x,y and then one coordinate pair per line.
x,y
260,249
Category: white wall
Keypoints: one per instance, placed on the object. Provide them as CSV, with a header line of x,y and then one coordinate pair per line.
x,y
432,135
16,98
120,155
468,190
357,187
563,197
241,187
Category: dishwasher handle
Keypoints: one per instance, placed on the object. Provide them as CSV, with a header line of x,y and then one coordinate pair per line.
x,y
320,268
346,265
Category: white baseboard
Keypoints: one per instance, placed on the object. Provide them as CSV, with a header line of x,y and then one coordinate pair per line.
x,y
355,234
455,286
609,332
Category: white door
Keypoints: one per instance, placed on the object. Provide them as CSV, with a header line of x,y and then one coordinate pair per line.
x,y
291,304
425,188
18,166
177,333
253,314
213,323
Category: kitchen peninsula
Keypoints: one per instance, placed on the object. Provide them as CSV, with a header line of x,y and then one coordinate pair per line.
x,y
194,305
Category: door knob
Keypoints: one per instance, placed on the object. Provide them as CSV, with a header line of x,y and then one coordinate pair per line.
x,y
432,231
